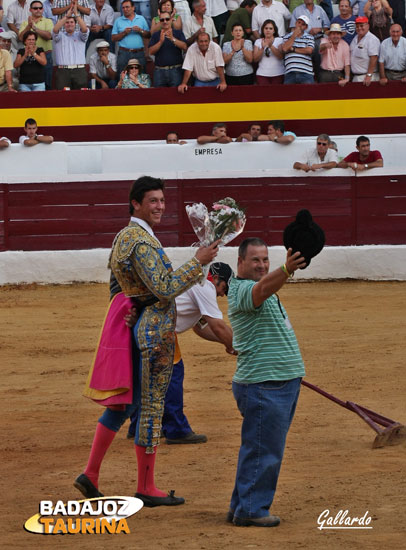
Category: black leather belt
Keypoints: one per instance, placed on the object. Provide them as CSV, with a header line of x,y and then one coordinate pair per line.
x,y
129,50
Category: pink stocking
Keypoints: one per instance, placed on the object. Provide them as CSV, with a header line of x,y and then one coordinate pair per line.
x,y
101,442
146,467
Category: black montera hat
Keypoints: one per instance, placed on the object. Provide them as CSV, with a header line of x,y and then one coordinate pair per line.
x,y
223,271
304,235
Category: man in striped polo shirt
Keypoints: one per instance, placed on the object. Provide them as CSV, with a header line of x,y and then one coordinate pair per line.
x,y
266,383
298,47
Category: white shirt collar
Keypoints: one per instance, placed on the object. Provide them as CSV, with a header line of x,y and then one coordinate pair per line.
x,y
144,225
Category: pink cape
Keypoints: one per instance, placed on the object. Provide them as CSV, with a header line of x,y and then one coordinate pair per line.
x,y
113,369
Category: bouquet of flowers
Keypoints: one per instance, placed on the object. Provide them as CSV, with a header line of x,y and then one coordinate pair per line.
x,y
224,222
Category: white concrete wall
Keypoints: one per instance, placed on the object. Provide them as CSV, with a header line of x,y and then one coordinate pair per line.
x,y
362,262
128,160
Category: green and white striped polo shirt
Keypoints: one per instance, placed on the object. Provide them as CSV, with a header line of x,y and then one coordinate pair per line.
x,y
267,347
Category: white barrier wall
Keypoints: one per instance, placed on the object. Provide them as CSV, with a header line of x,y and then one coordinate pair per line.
x,y
67,266
127,160
19,160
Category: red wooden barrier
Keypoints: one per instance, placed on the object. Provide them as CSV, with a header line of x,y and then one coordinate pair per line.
x,y
83,215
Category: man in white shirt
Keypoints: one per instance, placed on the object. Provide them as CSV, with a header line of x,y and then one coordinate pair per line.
x,y
270,9
205,60
196,308
217,10
103,66
101,22
392,56
364,50
31,136
322,157
17,12
199,23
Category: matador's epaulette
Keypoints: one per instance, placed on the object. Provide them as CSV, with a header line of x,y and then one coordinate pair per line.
x,y
127,239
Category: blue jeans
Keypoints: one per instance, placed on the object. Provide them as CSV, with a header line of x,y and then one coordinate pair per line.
x,y
296,77
174,422
123,58
328,8
39,87
167,78
105,34
49,67
267,409
144,9
201,83
110,83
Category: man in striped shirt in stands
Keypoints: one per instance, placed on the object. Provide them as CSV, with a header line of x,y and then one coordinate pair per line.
x,y
298,47
267,381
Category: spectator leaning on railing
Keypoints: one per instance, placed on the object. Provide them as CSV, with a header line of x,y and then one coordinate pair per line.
x,y
364,50
335,57
276,132
321,157
31,137
363,158
205,61
218,135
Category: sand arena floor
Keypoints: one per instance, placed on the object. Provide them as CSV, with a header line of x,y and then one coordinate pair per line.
x,y
352,335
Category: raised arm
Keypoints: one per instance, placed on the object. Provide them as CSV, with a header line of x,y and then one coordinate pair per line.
x,y
272,282
167,285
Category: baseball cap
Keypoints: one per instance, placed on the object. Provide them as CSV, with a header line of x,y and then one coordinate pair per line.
x,y
305,19
304,235
102,44
223,271
361,19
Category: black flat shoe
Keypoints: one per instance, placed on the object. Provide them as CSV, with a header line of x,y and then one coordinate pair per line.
x,y
169,500
86,487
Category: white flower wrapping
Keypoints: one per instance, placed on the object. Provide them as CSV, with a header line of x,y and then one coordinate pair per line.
x,y
224,222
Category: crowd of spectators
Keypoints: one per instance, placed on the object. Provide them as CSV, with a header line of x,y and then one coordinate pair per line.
x,y
323,156
199,43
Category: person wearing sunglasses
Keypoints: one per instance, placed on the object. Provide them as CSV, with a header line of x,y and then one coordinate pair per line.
x,y
320,158
132,77
167,46
268,55
166,7
42,26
